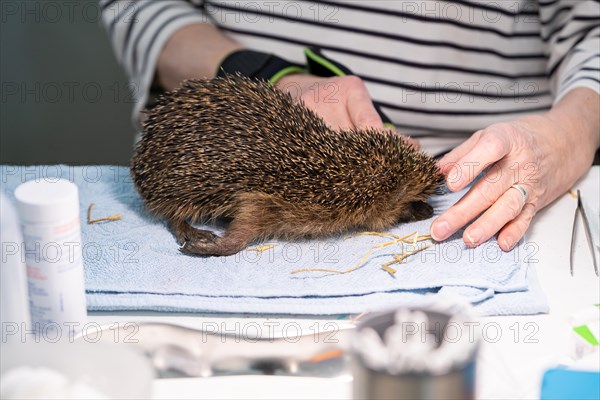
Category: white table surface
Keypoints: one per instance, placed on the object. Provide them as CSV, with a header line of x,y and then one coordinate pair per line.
x,y
512,367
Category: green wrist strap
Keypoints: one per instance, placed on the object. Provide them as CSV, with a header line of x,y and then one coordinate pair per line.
x,y
319,65
286,71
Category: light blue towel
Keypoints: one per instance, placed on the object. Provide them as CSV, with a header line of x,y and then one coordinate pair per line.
x,y
134,263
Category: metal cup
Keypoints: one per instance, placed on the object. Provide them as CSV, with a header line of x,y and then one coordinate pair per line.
x,y
458,382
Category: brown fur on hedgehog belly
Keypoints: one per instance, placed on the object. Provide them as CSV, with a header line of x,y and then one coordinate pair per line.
x,y
239,148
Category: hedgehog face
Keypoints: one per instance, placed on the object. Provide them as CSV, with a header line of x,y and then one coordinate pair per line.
x,y
409,205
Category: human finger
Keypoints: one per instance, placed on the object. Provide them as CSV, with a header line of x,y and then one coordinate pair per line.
x,y
459,151
359,104
513,231
414,142
490,148
479,198
508,207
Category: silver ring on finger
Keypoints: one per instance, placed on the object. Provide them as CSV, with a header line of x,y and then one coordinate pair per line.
x,y
522,190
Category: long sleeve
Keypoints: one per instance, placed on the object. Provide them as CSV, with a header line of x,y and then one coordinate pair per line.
x,y
138,30
571,31
485,62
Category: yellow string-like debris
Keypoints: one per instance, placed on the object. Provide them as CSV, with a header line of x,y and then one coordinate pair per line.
x,y
388,269
90,221
399,258
335,271
373,234
410,239
262,248
398,240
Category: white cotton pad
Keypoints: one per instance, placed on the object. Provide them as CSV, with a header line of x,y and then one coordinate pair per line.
x,y
43,383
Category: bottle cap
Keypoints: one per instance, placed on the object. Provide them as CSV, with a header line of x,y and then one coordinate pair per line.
x,y
42,201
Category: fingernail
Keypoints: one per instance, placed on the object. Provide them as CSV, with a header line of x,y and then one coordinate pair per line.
x,y
474,235
508,244
440,230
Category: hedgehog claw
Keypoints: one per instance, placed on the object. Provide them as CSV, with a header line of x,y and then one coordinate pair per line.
x,y
199,242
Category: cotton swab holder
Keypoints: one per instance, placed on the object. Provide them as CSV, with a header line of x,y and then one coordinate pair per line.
x,y
415,354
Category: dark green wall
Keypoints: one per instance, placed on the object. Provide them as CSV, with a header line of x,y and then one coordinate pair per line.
x,y
64,98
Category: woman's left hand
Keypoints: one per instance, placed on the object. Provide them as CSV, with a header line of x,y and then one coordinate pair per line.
x,y
544,155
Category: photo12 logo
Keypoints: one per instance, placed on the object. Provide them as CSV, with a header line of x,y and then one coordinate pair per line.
x,y
468,331
54,332
269,331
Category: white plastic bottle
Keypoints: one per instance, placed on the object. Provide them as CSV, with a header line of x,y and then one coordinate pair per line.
x,y
49,213
14,305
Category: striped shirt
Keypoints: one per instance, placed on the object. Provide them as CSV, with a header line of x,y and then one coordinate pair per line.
x,y
435,66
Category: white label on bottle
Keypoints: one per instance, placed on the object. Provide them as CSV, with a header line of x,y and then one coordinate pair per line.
x,y
54,261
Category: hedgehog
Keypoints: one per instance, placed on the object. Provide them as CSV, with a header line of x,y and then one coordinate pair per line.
x,y
238,149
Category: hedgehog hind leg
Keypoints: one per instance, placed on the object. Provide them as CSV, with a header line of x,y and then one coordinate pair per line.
x,y
256,216
204,242
225,245
184,233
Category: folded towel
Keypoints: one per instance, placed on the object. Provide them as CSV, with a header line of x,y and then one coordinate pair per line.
x,y
134,263
531,301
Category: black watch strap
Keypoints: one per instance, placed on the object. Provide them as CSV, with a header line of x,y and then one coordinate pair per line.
x,y
256,64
